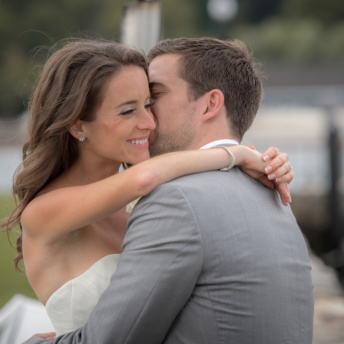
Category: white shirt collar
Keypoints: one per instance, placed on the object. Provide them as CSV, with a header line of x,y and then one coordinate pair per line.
x,y
225,142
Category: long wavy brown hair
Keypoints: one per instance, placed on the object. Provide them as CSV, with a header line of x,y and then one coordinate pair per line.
x,y
70,87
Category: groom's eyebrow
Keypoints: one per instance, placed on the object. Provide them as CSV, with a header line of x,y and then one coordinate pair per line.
x,y
155,84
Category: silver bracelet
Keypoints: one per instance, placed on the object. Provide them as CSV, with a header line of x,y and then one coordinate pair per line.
x,y
232,156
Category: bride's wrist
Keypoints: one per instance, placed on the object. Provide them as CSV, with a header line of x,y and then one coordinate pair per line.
x,y
240,153
232,161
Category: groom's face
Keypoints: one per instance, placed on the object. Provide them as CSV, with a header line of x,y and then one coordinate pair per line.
x,y
174,110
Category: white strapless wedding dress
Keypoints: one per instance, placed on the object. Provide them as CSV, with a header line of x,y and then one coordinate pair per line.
x,y
69,306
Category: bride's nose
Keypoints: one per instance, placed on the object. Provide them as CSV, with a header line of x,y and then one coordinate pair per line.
x,y
146,120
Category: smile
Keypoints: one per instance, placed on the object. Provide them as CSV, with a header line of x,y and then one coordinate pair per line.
x,y
138,142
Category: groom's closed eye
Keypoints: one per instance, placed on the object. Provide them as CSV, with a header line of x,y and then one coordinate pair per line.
x,y
156,89
155,95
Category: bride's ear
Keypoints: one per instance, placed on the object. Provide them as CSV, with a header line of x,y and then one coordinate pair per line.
x,y
214,104
76,129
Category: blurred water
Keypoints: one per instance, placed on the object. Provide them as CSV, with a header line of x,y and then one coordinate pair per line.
x,y
10,158
302,132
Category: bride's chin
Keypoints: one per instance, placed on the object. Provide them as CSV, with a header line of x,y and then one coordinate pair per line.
x,y
138,159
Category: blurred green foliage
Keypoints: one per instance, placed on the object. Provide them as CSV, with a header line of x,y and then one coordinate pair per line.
x,y
12,281
26,26
294,41
287,31
327,12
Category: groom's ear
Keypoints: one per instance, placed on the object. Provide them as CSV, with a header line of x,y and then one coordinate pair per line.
x,y
214,104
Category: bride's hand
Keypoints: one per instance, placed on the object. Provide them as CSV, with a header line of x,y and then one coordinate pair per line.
x,y
47,336
280,171
275,173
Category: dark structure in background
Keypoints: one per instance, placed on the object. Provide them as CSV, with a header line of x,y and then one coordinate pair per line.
x,y
320,217
335,255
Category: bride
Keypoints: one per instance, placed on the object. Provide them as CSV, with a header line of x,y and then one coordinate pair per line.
x,y
89,113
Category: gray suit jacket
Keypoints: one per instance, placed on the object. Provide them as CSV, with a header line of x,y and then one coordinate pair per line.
x,y
208,258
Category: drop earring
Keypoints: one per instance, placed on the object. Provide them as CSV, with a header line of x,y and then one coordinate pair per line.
x,y
81,138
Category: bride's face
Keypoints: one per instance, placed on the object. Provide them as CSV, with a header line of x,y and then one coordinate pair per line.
x,y
123,121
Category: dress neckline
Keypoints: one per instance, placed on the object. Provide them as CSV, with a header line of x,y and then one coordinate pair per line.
x,y
114,256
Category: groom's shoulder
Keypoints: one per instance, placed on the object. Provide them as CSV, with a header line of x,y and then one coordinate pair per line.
x,y
209,180
186,183
231,182
195,179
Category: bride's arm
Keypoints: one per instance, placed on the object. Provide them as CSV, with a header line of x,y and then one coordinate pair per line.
x,y
60,211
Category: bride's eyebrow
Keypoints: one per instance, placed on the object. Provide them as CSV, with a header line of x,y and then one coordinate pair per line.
x,y
129,102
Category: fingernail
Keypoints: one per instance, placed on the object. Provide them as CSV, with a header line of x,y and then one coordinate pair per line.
x,y
277,179
268,169
266,158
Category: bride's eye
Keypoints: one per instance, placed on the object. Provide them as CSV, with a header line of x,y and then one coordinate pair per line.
x,y
149,105
127,112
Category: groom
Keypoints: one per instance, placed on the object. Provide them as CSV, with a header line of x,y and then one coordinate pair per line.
x,y
212,257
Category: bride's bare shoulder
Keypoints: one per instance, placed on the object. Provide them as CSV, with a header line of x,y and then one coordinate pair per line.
x,y
42,204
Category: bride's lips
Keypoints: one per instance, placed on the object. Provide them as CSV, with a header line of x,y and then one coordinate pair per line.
x,y
139,142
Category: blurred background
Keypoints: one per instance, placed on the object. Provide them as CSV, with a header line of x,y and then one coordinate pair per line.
x,y
300,44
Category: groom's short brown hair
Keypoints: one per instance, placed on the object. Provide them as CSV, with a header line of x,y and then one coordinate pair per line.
x,y
209,63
